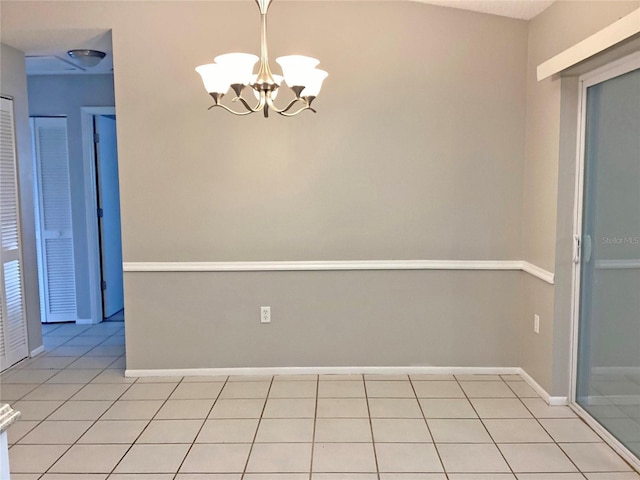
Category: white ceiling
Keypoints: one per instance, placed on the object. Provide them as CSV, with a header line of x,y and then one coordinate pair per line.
x,y
55,43
521,9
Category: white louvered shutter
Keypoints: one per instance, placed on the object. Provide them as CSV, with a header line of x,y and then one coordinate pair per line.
x,y
55,226
13,328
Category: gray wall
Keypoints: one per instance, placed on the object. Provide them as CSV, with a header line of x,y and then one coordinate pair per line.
x,y
13,82
54,95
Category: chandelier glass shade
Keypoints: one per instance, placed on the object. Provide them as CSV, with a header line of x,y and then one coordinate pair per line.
x,y
235,71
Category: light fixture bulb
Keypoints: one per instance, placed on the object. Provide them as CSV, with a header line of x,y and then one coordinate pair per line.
x,y
296,68
239,66
314,83
215,78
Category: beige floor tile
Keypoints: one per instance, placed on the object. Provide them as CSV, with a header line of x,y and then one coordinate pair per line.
x,y
478,378
69,351
216,458
13,392
472,458
431,377
290,408
447,408
342,476
106,350
500,408
29,376
342,408
438,389
475,389
239,430
343,457
113,375
523,390
237,408
114,431
203,378
74,476
54,392
386,378
516,431
101,391
86,340
19,429
153,459
280,457
171,431
209,476
295,378
51,362
482,476
540,409
552,476
613,476
391,430
133,410
339,377
197,391
245,390
293,390
185,409
594,457
120,362
408,457
536,458
51,432
413,476
458,431
569,430
343,430
171,379
285,430
250,378
78,375
394,408
512,378
36,409
389,389
91,362
34,458
149,391
81,410
90,459
341,389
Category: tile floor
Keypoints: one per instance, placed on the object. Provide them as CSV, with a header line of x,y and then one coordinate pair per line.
x,y
82,419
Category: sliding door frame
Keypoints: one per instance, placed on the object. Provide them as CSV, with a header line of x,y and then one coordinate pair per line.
x,y
611,70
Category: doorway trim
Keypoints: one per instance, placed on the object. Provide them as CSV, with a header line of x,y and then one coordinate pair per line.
x,y
90,198
606,72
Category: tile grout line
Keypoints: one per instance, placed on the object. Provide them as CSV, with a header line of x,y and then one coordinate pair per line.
x,y
424,417
482,422
373,442
201,426
315,421
255,435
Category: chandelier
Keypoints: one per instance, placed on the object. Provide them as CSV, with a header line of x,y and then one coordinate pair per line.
x,y
235,71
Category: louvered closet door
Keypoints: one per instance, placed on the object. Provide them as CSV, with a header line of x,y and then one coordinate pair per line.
x,y
13,329
57,272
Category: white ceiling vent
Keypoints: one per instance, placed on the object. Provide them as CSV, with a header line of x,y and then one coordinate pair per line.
x,y
50,64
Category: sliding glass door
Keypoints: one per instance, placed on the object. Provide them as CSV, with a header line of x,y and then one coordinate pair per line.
x,y
608,357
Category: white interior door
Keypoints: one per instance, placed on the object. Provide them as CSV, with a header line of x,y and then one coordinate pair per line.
x,y
13,328
109,217
54,224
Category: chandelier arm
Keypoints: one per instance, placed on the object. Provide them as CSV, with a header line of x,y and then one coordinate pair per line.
x,y
306,107
232,111
242,100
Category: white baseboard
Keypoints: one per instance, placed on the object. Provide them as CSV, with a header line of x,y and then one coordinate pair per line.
x,y
85,321
37,351
551,400
182,372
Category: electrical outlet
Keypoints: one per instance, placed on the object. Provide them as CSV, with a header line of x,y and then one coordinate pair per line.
x,y
536,323
265,314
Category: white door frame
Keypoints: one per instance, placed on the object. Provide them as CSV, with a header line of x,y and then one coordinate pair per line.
x,y
90,194
611,70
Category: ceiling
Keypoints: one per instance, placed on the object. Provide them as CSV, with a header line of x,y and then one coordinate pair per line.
x,y
46,49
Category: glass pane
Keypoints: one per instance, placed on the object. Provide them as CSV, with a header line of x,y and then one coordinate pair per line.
x,y
608,383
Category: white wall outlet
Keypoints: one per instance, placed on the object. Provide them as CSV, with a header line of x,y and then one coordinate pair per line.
x,y
536,323
265,314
